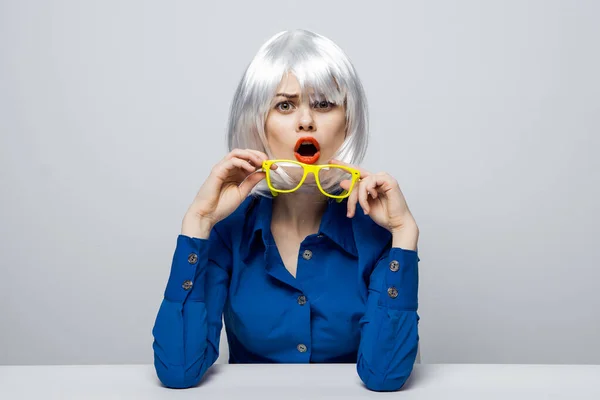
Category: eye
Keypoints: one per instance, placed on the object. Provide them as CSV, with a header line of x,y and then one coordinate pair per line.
x,y
323,104
284,106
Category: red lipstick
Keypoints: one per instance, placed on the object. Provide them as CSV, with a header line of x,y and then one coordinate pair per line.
x,y
307,150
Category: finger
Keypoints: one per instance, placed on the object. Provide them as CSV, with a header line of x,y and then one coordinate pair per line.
x,y
371,188
352,199
260,154
262,157
362,194
231,164
247,155
243,164
363,172
389,185
345,184
224,170
250,182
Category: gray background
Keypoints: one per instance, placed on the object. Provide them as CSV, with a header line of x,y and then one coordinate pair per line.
x,y
112,114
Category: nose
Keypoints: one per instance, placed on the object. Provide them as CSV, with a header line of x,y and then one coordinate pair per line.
x,y
306,122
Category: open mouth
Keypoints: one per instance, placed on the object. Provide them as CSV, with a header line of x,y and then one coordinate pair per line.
x,y
307,150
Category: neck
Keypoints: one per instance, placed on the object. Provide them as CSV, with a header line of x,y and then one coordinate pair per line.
x,y
299,213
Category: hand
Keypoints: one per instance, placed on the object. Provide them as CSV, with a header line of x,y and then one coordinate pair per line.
x,y
381,198
229,183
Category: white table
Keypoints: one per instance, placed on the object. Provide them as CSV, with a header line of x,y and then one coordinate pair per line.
x,y
302,381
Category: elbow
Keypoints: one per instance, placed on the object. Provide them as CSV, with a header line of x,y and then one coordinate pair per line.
x,y
175,377
383,382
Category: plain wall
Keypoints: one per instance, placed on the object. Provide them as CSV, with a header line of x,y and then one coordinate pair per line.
x,y
487,113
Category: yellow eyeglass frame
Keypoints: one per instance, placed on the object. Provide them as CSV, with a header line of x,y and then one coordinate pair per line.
x,y
314,169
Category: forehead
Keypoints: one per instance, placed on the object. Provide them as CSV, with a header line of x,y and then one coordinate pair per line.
x,y
289,84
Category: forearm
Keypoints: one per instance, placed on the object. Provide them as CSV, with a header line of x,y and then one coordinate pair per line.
x,y
187,327
389,328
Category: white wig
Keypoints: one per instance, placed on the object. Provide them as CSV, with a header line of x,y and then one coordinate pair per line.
x,y
318,64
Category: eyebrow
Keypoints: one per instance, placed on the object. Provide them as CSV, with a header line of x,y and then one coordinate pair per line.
x,y
287,95
293,96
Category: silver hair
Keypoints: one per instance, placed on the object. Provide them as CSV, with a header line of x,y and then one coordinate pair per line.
x,y
319,64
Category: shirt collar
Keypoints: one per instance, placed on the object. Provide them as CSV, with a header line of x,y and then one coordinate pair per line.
x,y
338,227
334,224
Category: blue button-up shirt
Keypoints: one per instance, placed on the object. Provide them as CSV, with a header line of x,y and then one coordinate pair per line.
x,y
353,300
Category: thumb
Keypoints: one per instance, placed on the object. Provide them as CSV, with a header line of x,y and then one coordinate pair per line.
x,y
345,184
250,182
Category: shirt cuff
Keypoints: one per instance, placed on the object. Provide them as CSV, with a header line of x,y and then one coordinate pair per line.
x,y
401,280
189,258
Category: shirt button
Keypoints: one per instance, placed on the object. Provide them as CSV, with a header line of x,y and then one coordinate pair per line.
x,y
187,285
307,255
301,348
302,299
394,266
192,258
393,292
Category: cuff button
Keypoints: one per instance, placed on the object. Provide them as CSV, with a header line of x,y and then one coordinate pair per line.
x,y
393,292
193,258
394,266
187,285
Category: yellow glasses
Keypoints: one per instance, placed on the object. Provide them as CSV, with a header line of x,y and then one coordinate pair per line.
x,y
290,175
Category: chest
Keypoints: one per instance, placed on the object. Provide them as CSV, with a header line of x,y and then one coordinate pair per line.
x,y
270,312
288,248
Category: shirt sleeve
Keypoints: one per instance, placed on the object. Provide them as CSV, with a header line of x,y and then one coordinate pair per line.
x,y
188,326
389,328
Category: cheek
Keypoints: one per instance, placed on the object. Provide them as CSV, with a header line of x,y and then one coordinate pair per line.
x,y
276,126
272,129
337,126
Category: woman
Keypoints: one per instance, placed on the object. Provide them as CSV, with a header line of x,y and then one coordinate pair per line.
x,y
292,264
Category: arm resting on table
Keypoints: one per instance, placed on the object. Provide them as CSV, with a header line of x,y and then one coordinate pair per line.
x,y
188,325
389,328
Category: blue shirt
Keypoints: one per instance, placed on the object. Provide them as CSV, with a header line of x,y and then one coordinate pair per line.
x,y
353,300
